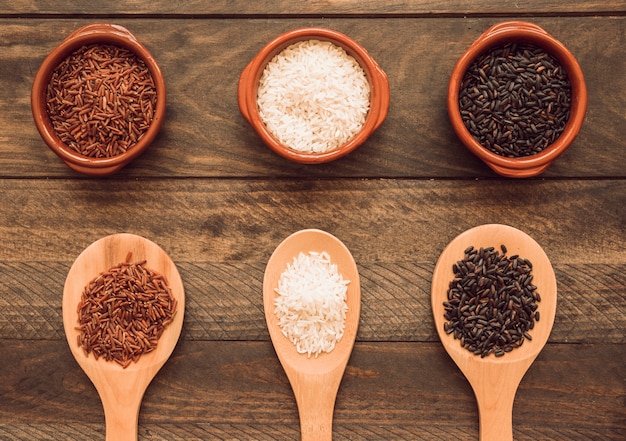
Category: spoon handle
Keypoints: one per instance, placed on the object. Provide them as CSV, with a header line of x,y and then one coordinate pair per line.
x,y
315,395
121,421
495,412
121,400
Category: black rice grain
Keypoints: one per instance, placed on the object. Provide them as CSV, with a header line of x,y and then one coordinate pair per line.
x,y
515,99
491,303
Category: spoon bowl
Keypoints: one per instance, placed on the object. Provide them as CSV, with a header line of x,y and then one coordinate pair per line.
x,y
315,381
495,379
121,390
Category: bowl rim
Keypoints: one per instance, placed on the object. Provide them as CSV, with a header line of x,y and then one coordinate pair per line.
x,y
379,92
96,33
520,32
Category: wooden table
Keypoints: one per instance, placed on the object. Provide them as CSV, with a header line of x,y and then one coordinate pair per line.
x,y
218,201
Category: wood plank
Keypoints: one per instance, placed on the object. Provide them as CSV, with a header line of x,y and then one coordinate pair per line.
x,y
242,221
223,302
219,202
389,391
221,234
204,134
325,7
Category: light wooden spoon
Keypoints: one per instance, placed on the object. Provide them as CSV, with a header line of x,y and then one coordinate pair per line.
x,y
121,390
495,379
315,381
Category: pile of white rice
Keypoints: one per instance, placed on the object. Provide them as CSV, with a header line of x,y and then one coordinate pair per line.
x,y
311,304
313,96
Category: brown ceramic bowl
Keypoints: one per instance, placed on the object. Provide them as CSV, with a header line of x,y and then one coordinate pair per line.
x,y
98,33
249,80
520,32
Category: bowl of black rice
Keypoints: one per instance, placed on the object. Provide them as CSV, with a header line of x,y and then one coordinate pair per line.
x,y
517,98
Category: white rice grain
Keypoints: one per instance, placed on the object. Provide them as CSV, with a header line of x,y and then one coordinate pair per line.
x,y
313,96
311,304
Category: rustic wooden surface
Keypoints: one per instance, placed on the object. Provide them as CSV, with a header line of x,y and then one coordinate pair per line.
x,y
219,202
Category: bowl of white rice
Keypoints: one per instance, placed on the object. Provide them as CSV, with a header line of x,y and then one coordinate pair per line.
x,y
313,95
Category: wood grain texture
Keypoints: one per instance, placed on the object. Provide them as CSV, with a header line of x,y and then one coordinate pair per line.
x,y
242,221
221,233
219,202
390,391
324,7
204,134
591,304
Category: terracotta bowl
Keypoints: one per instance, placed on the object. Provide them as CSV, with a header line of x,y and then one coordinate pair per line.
x,y
97,33
249,80
529,33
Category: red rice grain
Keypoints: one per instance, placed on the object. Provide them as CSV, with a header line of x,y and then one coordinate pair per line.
x,y
101,100
123,313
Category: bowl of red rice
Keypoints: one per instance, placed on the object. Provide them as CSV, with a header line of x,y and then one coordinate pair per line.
x,y
98,99
313,95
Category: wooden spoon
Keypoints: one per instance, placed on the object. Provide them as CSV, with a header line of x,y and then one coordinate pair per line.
x,y
121,390
315,381
495,379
